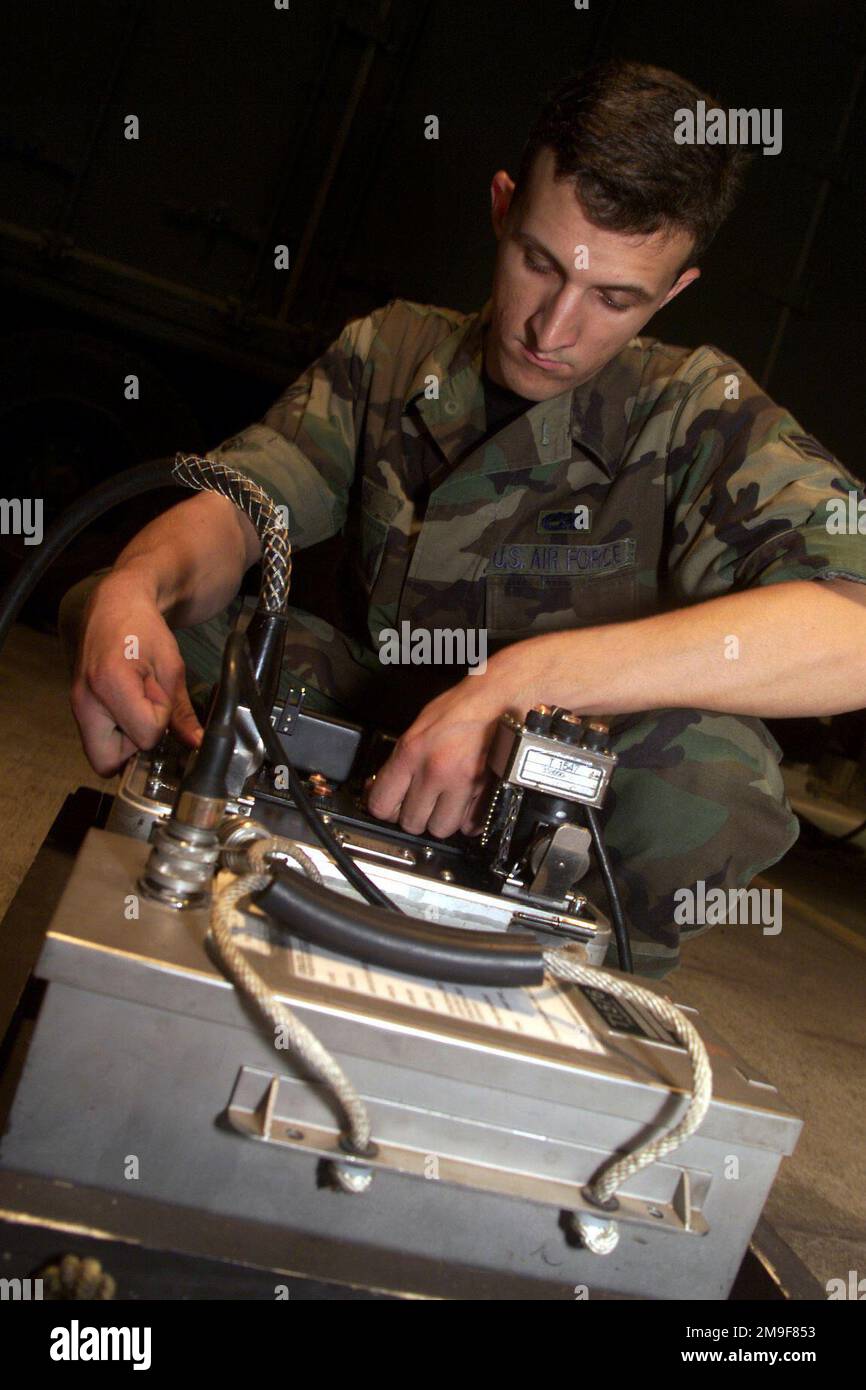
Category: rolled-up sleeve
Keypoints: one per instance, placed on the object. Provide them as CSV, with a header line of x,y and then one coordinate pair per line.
x,y
304,451
753,499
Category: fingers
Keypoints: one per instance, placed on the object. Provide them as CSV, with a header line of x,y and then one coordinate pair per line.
x,y
117,711
106,745
476,810
183,720
440,812
419,808
436,791
387,789
448,813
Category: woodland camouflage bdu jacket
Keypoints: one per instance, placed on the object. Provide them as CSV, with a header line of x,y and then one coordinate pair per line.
x,y
668,478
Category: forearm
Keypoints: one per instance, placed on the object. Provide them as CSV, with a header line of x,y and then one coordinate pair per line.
x,y
192,559
787,649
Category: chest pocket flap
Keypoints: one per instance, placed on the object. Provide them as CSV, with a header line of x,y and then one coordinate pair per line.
x,y
552,588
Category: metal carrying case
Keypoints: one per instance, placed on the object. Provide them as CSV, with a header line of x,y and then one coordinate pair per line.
x,y
147,1076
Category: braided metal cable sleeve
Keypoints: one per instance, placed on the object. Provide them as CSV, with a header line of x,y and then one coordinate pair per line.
x,y
603,1186
302,1042
209,475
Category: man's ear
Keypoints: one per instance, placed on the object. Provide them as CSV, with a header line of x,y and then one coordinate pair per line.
x,y
501,193
680,283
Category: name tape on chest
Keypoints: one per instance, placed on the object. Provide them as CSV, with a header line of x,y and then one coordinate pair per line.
x,y
562,559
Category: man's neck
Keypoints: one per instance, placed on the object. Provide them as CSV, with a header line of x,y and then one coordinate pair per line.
x,y
488,379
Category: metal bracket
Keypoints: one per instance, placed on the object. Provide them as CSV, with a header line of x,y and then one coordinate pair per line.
x,y
263,1107
565,862
289,714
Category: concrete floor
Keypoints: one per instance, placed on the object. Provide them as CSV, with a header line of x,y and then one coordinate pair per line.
x,y
794,1005
41,757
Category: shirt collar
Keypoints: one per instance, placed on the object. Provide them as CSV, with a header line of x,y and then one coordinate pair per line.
x,y
595,414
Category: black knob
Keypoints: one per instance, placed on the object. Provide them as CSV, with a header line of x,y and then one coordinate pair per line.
x,y
596,736
568,727
538,719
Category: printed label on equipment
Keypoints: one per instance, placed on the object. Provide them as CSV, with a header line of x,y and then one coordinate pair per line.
x,y
561,773
622,1018
546,1012
550,1012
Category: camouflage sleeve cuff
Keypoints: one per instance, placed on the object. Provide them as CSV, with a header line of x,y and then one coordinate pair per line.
x,y
805,554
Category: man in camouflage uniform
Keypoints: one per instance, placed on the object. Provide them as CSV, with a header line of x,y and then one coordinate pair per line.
x,y
612,511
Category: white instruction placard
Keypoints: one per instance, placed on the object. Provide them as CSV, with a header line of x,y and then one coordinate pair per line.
x,y
549,1012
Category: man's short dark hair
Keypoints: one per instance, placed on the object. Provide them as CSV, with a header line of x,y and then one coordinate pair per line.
x,y
611,129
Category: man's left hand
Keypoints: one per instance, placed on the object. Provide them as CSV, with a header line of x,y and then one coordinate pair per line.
x,y
436,779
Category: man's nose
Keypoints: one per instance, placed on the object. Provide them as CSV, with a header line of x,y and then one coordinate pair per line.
x,y
556,327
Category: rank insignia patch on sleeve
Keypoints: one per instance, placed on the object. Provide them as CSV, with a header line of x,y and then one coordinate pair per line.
x,y
808,446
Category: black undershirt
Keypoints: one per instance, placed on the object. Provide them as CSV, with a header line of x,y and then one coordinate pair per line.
x,y
501,406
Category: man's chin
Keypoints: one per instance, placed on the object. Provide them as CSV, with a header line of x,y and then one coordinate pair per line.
x,y
537,385
524,379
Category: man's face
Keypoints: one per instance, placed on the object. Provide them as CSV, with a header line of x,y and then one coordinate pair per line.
x,y
576,318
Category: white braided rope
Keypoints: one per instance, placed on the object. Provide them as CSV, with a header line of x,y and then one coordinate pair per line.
x,y
302,1042
604,1185
259,852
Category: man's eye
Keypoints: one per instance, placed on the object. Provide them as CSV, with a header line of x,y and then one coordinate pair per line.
x,y
618,308
539,267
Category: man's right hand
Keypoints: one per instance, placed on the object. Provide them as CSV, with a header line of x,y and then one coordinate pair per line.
x,y
130,680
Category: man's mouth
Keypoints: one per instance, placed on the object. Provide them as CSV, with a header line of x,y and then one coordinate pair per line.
x,y
546,364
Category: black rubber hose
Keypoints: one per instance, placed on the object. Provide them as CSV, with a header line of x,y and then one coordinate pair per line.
x,y
147,477
620,931
207,770
307,909
266,637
